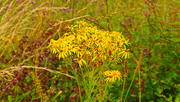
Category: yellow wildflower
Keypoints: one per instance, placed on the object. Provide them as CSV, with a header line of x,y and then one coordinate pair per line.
x,y
112,76
62,53
116,74
124,53
62,42
85,40
59,92
54,47
80,52
110,79
80,61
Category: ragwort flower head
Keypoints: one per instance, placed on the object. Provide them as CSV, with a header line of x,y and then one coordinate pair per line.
x,y
112,76
83,40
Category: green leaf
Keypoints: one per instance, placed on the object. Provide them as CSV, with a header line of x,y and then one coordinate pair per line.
x,y
9,98
155,82
160,100
166,87
176,23
176,40
177,99
159,90
154,37
17,89
172,74
177,86
168,80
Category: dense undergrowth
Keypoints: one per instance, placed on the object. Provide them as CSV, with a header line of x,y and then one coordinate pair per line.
x,y
89,50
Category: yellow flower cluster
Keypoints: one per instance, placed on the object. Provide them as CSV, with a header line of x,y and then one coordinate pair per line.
x,y
112,76
90,45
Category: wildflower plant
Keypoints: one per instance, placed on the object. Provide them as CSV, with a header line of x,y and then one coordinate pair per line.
x,y
94,51
88,70
112,76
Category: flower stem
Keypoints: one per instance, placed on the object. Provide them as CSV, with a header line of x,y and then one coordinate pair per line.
x,y
124,82
129,87
79,89
77,79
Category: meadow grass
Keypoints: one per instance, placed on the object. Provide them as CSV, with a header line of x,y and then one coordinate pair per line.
x,y
30,71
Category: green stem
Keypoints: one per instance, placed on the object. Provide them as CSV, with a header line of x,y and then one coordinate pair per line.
x,y
129,87
84,82
79,88
77,79
124,82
